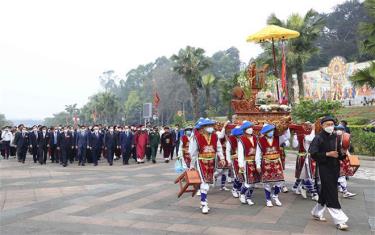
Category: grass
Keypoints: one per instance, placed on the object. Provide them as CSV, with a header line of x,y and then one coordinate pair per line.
x,y
367,112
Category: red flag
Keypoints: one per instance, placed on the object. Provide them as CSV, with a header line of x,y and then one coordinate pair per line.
x,y
156,99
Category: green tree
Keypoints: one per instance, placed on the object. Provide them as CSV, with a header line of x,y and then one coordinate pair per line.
x,y
190,63
301,49
367,29
61,118
340,34
71,109
308,110
208,81
364,76
226,87
4,121
132,107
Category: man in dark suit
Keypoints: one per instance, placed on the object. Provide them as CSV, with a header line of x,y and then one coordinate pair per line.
x,y
54,138
43,145
65,145
82,145
21,140
110,144
96,144
73,153
126,144
33,143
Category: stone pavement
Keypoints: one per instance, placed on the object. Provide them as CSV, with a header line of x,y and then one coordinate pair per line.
x,y
141,199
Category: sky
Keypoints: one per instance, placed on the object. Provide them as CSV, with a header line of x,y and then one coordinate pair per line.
x,y
53,52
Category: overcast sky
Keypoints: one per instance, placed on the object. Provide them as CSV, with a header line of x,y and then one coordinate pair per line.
x,y
52,52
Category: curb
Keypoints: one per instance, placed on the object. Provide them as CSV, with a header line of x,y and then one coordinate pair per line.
x,y
361,157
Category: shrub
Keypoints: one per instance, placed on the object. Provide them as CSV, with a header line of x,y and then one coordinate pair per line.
x,y
363,141
357,120
309,110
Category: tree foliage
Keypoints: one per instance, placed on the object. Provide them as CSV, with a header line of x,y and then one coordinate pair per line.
x,y
4,121
309,110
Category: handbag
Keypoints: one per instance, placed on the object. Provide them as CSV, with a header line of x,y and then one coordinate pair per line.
x,y
178,166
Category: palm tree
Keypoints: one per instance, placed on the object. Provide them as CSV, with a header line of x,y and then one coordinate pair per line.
x,y
190,62
208,81
367,30
364,76
301,49
71,109
226,87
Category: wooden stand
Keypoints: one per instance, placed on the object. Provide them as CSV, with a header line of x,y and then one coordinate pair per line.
x,y
186,179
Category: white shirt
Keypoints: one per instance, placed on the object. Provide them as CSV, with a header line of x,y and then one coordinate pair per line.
x,y
7,136
306,141
258,154
193,150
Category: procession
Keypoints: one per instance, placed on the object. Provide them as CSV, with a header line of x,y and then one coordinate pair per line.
x,y
189,117
223,155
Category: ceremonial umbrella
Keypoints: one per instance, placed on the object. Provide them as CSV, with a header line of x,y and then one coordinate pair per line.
x,y
273,33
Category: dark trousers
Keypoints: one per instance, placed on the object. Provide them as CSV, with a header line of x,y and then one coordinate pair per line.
x,y
64,155
172,152
110,152
42,155
148,153
126,155
95,152
73,155
134,153
34,152
21,153
154,150
6,146
54,153
81,154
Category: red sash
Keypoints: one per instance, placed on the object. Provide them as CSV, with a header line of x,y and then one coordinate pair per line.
x,y
251,174
272,169
207,147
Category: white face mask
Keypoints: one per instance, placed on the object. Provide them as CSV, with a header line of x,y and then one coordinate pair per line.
x,y
66,131
209,129
249,131
44,131
329,129
35,129
339,132
111,130
96,130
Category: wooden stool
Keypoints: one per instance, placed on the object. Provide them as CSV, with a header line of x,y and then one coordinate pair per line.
x,y
186,179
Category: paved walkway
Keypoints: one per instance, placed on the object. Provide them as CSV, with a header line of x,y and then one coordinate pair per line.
x,y
141,199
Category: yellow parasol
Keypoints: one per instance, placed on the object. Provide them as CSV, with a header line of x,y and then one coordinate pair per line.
x,y
273,33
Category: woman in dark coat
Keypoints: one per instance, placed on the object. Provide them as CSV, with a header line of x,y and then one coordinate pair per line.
x,y
325,149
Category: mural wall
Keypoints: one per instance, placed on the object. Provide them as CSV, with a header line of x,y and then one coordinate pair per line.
x,y
332,82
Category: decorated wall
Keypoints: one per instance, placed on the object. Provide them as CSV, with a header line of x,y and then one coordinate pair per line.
x,y
332,82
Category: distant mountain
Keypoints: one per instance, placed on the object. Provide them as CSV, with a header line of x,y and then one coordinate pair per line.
x,y
27,122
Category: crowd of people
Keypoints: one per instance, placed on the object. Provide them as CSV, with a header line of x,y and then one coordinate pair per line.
x,y
256,160
88,144
220,153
